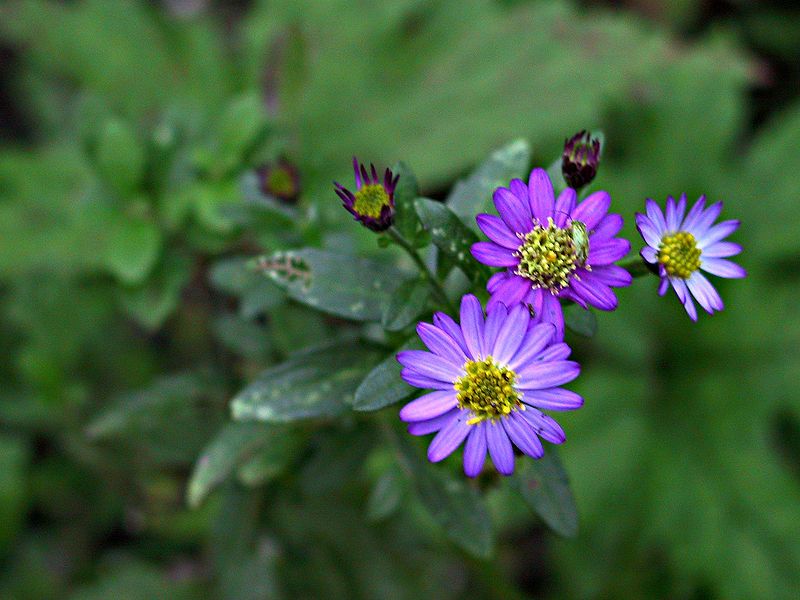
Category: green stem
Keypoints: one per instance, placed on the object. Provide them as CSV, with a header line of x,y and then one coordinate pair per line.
x,y
436,288
636,267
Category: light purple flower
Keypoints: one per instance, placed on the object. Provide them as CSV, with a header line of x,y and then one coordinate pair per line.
x,y
552,248
490,378
683,246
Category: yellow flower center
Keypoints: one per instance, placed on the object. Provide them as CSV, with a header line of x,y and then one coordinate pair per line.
x,y
370,200
487,390
547,256
679,254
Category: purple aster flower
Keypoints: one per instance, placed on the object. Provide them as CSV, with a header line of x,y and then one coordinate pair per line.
x,y
580,159
490,378
373,202
683,246
552,248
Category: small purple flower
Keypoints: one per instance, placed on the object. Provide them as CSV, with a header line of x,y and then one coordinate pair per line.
x,y
490,379
373,202
552,248
682,247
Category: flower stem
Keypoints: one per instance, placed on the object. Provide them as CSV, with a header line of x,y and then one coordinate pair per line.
x,y
636,267
436,288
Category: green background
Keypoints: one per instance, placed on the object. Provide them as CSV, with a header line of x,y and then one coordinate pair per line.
x,y
129,133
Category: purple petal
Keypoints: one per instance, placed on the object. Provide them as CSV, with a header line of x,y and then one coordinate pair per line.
x,y
705,293
500,448
722,250
592,210
472,326
648,231
550,312
358,175
412,377
688,304
440,343
702,223
542,375
511,334
493,255
722,268
649,254
512,211
656,217
430,365
431,425
663,286
679,285
553,399
475,450
522,434
565,204
593,291
449,437
494,321
694,213
429,406
717,232
540,195
535,341
495,281
609,226
520,189
612,275
671,213
608,251
451,328
510,292
497,231
560,351
544,425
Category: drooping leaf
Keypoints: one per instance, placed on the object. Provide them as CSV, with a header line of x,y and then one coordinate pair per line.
x,y
383,385
232,446
451,236
452,502
346,286
581,321
544,486
311,384
473,195
406,304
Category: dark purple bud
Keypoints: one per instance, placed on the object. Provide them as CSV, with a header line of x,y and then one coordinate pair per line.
x,y
280,180
580,160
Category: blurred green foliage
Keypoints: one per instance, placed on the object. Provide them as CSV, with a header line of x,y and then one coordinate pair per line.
x,y
129,318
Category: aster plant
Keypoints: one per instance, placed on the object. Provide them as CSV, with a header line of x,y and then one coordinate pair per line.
x,y
541,255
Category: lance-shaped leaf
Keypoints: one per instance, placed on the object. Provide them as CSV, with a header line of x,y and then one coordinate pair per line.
x,y
346,286
545,488
406,220
316,383
473,195
451,236
383,385
406,303
452,502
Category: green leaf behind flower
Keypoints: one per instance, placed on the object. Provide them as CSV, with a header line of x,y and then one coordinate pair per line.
x,y
383,385
346,286
544,486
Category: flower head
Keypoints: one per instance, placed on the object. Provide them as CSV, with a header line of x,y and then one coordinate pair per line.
x,y
281,180
680,247
490,379
373,202
552,248
580,160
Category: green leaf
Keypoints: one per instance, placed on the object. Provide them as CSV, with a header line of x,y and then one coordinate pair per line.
x,y
151,303
451,236
233,445
14,455
256,294
315,383
239,128
120,157
581,321
473,195
384,386
452,502
406,304
271,460
386,494
346,286
406,220
544,486
132,249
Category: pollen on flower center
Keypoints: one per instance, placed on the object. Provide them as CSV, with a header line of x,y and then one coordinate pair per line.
x,y
547,256
679,254
370,200
487,390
